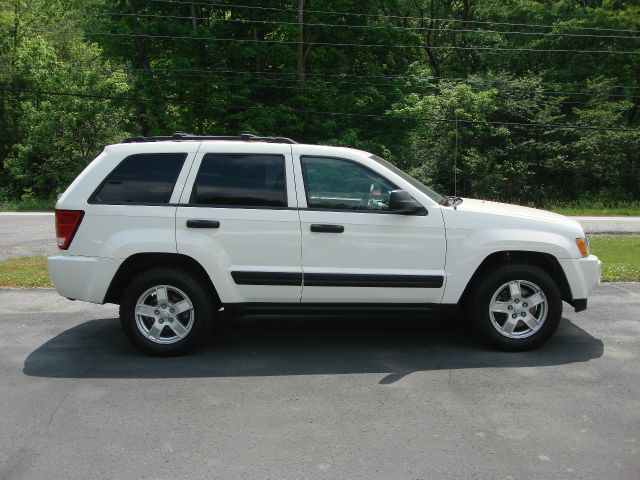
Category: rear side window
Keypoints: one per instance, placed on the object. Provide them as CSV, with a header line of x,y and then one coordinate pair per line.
x,y
142,179
245,180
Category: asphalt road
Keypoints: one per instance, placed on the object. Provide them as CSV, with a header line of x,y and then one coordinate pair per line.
x,y
309,397
26,234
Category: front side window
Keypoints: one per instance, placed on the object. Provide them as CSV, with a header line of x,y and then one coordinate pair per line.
x,y
247,180
141,179
337,184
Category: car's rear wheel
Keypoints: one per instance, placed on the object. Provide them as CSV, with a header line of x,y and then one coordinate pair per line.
x,y
516,307
166,312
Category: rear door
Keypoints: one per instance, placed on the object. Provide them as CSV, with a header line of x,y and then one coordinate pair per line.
x,y
238,217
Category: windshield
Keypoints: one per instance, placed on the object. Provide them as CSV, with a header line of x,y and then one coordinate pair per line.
x,y
433,195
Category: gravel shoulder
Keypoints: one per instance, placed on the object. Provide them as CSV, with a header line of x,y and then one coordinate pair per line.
x,y
25,234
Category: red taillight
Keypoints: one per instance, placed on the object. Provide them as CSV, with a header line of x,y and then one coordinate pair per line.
x,y
67,223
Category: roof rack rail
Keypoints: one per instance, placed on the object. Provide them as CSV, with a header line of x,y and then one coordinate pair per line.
x,y
180,136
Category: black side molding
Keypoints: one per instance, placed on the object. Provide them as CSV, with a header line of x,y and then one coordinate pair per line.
x,y
337,280
372,280
267,278
203,224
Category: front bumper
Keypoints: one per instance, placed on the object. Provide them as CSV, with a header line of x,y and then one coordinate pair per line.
x,y
82,278
583,275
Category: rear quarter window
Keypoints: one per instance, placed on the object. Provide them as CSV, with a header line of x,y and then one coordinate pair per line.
x,y
141,179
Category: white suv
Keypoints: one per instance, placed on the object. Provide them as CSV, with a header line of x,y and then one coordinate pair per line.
x,y
175,229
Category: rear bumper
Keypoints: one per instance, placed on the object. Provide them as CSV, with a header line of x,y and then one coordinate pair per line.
x,y
82,278
583,275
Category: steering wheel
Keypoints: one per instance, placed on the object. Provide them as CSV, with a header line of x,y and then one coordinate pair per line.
x,y
367,199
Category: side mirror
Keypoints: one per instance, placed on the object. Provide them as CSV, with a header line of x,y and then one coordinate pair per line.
x,y
402,203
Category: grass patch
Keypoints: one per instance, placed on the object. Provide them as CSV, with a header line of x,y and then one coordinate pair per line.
x,y
596,209
620,256
577,208
28,272
34,205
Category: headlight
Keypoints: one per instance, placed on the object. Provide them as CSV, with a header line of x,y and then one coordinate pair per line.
x,y
583,246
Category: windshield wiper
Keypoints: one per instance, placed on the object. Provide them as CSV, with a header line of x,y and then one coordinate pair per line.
x,y
453,201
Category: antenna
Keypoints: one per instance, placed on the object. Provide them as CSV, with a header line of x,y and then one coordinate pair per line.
x,y
455,159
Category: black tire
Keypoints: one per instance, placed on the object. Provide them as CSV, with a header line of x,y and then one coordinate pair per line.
x,y
200,324
486,287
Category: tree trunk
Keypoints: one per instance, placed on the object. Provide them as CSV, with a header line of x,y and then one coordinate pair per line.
x,y
635,98
142,62
200,110
301,60
254,36
428,32
194,17
16,26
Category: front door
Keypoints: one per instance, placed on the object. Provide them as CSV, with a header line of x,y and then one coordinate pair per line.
x,y
353,249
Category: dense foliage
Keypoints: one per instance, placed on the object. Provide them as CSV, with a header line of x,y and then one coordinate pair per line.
x,y
526,100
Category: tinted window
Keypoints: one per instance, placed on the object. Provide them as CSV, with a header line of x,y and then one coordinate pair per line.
x,y
239,179
142,179
340,184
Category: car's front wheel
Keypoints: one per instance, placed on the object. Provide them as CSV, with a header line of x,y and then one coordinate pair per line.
x,y
516,307
166,312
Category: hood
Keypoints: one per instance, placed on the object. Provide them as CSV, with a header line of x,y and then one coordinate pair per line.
x,y
506,209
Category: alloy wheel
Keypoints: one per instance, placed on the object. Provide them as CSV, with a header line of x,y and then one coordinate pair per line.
x,y
518,309
164,314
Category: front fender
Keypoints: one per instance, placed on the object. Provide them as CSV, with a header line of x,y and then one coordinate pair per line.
x,y
467,248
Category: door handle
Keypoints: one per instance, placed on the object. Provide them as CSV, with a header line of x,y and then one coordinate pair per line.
x,y
203,224
319,227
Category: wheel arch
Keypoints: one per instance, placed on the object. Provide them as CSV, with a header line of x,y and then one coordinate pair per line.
x,y
140,262
545,261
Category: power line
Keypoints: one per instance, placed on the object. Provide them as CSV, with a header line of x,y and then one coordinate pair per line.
x,y
210,72
198,72
403,88
387,94
337,44
383,16
501,94
312,112
394,77
400,89
333,25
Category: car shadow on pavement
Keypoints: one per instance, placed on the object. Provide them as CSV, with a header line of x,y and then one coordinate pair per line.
x,y
273,346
